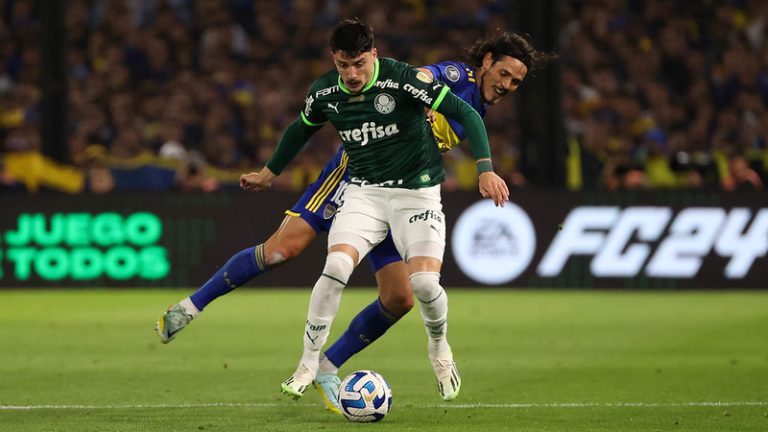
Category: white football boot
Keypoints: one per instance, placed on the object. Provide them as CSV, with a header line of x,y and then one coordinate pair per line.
x,y
448,378
297,384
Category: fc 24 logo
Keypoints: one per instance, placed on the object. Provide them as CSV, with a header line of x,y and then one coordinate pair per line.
x,y
622,240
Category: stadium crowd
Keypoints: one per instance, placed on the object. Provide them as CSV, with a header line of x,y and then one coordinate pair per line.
x,y
187,94
662,94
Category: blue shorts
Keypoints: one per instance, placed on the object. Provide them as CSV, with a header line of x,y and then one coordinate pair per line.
x,y
319,203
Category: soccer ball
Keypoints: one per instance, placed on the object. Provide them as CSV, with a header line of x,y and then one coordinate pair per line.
x,y
364,396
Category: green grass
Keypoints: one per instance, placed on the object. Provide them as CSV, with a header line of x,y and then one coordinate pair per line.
x,y
96,350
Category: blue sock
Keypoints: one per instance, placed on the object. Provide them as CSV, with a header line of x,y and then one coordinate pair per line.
x,y
242,267
366,327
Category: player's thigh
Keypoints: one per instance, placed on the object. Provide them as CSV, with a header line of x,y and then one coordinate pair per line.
x,y
418,223
361,221
311,215
289,241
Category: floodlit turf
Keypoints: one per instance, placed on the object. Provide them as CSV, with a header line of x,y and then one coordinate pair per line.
x,y
531,361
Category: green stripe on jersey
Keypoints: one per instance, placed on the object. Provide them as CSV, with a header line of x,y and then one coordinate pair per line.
x,y
307,122
440,98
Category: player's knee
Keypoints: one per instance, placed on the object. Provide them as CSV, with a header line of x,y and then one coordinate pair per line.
x,y
397,302
339,266
282,251
426,286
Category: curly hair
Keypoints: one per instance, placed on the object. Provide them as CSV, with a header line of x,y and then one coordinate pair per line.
x,y
519,46
353,37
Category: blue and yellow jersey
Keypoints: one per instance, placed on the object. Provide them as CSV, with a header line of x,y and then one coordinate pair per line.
x,y
460,78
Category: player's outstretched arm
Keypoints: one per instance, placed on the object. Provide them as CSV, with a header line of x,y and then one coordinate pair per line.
x,y
257,181
491,185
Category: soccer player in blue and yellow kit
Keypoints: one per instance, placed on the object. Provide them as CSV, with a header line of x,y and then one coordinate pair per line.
x,y
499,65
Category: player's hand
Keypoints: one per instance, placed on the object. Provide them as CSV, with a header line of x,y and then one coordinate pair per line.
x,y
431,116
492,186
257,181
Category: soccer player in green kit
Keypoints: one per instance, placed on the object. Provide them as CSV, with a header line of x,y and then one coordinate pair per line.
x,y
377,106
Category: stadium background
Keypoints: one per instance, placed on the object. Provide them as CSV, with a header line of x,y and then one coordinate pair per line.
x,y
158,106
637,164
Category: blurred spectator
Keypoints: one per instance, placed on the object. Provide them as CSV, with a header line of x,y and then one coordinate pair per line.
x,y
661,94
655,94
741,177
99,179
7,180
184,93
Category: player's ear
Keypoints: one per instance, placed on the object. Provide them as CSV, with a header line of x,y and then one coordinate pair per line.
x,y
374,53
487,60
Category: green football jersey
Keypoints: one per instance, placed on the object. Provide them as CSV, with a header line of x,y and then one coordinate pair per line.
x,y
383,127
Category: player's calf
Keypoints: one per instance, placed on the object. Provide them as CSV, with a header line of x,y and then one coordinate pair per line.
x,y
397,302
323,305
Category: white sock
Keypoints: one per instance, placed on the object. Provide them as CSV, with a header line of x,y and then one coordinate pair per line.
x,y
189,307
324,304
433,302
326,367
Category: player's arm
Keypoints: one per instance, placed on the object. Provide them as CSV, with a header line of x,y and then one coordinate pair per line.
x,y
427,71
430,114
491,185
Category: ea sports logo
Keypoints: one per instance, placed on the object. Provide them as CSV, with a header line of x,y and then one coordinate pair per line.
x,y
493,245
384,103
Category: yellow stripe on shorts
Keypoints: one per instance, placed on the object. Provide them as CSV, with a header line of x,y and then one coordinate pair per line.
x,y
328,185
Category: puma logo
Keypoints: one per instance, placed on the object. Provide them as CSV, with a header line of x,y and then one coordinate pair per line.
x,y
312,339
335,107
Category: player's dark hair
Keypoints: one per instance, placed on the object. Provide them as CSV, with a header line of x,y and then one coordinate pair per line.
x,y
519,46
353,37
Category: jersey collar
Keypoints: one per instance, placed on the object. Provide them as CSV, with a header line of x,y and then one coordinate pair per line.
x,y
367,86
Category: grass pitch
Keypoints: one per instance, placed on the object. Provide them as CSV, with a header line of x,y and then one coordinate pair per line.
x,y
530,361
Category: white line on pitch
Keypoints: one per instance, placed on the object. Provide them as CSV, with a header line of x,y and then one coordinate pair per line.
x,y
149,406
607,405
454,406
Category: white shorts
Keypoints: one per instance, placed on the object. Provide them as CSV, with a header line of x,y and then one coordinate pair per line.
x,y
414,215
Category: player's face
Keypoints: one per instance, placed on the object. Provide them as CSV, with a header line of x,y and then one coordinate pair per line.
x,y
355,71
500,77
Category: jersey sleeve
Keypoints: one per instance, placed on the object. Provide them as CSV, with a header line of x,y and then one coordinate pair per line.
x,y
456,108
422,88
312,115
448,72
